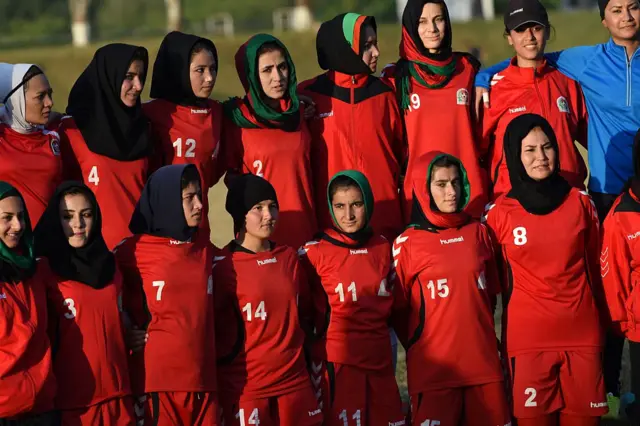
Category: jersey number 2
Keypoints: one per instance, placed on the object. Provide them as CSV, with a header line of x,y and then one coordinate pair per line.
x,y
191,147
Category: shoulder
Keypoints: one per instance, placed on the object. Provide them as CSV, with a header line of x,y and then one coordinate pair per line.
x,y
388,74
311,249
68,123
305,85
469,60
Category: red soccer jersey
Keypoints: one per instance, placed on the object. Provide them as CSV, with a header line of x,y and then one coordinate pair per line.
x,y
116,184
445,285
259,336
354,281
552,275
188,135
620,264
87,334
282,158
32,164
27,383
544,91
343,140
441,120
168,290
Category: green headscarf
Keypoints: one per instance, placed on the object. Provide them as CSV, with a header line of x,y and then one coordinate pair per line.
x,y
15,266
252,112
367,195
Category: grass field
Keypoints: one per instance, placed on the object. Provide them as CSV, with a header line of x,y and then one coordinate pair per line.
x,y
63,64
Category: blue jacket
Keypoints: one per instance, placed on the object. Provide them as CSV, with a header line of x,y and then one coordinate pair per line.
x,y
611,85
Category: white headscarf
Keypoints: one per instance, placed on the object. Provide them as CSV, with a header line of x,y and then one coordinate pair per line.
x,y
14,110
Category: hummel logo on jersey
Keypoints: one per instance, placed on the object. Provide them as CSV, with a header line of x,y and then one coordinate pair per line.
x,y
315,412
267,261
400,423
633,236
199,111
598,404
452,240
517,110
361,251
325,114
177,243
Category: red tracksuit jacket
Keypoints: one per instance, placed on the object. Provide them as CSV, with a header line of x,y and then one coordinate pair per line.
x,y
168,289
32,164
343,139
87,337
441,120
27,383
620,264
354,282
116,184
282,158
259,337
445,285
552,287
544,91
188,135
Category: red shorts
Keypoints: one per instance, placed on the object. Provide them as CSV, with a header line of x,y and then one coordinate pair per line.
x,y
298,408
354,394
179,408
480,405
548,382
116,412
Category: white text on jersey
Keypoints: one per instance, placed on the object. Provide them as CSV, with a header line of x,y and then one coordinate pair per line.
x,y
267,261
452,240
361,251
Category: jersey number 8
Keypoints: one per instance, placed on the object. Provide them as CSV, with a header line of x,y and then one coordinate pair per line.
x,y
520,236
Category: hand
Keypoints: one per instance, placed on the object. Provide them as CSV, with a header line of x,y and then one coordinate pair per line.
x,y
309,106
482,97
136,339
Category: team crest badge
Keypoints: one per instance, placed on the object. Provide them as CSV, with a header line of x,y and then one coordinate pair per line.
x,y
462,97
563,105
55,147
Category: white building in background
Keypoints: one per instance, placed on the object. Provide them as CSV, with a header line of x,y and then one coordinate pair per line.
x,y
460,10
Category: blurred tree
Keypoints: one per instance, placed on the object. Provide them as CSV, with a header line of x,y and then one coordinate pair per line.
x,y
174,15
80,26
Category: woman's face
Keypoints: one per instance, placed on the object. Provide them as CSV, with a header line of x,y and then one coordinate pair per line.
x,y
371,52
192,204
538,155
274,74
446,188
76,218
432,26
38,96
132,85
12,221
529,41
622,19
260,221
202,73
348,209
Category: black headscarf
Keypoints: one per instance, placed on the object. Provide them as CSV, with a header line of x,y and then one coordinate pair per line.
x,y
171,80
159,211
536,197
334,51
245,191
108,126
93,264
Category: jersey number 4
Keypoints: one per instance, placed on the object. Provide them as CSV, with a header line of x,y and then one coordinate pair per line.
x,y
254,418
260,311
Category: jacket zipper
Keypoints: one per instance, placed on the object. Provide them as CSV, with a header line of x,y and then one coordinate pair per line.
x,y
352,95
628,77
535,84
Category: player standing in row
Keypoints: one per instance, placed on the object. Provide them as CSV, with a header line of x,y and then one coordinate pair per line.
x,y
263,306
547,241
446,286
349,266
85,311
347,47
620,263
35,167
105,140
27,383
433,87
185,123
166,266
531,85
265,134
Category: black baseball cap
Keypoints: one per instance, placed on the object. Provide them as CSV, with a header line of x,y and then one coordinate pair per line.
x,y
520,12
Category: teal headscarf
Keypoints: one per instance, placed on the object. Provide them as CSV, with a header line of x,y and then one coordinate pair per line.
x,y
367,196
16,265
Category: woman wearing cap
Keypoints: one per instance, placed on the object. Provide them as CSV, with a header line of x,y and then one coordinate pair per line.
x,y
530,85
444,312
613,118
350,266
27,383
265,134
347,48
433,87
85,299
547,239
185,123
35,168
262,306
106,141
166,267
